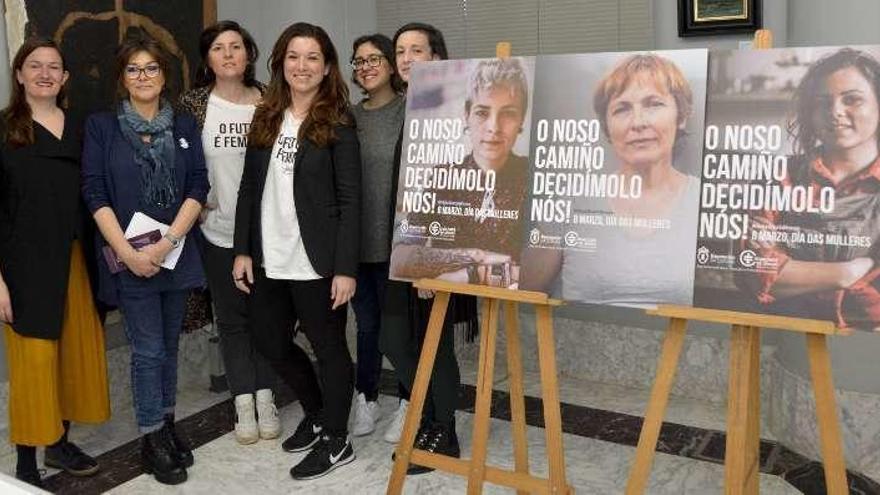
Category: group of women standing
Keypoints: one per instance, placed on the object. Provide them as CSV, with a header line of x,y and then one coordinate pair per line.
x,y
280,180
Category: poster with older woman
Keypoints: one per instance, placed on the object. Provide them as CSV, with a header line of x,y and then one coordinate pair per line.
x,y
615,164
464,172
790,208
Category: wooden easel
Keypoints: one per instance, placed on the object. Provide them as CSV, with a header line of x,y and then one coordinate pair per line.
x,y
476,470
742,454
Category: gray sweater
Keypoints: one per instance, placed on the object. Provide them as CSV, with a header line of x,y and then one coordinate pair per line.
x,y
377,131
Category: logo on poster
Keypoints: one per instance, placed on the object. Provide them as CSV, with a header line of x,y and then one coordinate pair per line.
x,y
437,230
703,255
573,240
748,258
404,226
534,237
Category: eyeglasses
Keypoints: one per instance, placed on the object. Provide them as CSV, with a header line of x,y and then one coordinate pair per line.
x,y
150,71
373,61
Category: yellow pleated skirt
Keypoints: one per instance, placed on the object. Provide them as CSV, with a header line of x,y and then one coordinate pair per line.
x,y
64,379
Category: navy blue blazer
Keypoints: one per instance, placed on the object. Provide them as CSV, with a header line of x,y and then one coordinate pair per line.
x,y
110,177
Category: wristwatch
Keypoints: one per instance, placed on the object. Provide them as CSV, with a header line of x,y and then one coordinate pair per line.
x,y
173,239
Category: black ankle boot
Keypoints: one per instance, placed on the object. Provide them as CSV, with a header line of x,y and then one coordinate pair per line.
x,y
31,477
160,458
438,438
183,452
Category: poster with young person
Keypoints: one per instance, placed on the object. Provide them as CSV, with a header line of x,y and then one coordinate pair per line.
x,y
463,179
790,208
615,163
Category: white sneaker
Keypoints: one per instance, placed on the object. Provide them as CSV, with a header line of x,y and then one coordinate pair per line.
x,y
364,416
267,415
246,426
392,434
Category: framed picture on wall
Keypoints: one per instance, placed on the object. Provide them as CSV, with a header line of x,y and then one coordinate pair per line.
x,y
713,17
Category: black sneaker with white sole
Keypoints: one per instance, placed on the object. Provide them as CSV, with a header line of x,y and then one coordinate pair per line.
x,y
329,453
306,435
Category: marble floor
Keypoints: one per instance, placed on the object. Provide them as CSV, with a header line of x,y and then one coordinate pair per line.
x,y
593,467
601,424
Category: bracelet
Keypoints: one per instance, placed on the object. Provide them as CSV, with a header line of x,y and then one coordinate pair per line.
x,y
173,239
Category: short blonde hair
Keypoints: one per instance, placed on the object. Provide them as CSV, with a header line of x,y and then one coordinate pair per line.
x,y
659,70
497,72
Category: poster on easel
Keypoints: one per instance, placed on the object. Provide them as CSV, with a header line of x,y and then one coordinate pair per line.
x,y
790,204
615,165
463,179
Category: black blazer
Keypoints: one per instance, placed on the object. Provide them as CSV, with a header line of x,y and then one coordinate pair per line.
x,y
327,193
40,216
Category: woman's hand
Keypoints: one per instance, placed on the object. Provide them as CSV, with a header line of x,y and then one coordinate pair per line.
x,y
157,251
5,303
243,272
342,289
140,263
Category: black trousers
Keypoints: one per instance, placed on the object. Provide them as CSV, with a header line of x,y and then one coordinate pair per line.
x,y
402,344
275,306
246,370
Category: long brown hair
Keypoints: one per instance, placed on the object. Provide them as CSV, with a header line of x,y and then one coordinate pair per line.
x,y
329,108
17,117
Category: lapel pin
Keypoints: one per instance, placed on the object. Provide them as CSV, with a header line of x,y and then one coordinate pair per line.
x,y
184,143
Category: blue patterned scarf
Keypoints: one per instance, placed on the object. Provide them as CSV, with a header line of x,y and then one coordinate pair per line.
x,y
156,158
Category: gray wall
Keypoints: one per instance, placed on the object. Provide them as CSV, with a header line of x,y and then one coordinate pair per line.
x,y
838,22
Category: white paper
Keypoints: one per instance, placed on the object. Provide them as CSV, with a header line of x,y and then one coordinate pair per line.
x,y
141,224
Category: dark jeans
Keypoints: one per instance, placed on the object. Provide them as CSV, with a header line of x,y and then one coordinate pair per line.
x,y
275,305
246,370
152,325
367,305
402,345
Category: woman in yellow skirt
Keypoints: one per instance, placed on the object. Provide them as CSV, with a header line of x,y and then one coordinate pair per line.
x,y
54,339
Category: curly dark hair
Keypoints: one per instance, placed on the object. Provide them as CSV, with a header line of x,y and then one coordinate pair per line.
x,y
802,128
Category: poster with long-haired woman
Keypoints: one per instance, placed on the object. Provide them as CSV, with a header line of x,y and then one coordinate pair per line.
x,y
790,205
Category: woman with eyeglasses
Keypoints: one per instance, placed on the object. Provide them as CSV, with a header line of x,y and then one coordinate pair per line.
x,y
379,119
144,158
53,335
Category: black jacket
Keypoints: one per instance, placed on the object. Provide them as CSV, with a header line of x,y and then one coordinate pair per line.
x,y
40,216
327,192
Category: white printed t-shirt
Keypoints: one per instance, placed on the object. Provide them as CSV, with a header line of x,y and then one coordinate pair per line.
x,y
284,254
224,138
